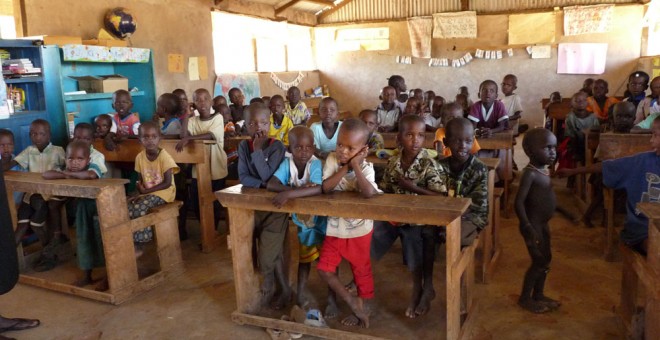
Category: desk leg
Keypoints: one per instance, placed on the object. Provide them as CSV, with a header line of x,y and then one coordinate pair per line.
x,y
118,246
246,281
652,309
453,275
610,232
14,220
206,200
507,181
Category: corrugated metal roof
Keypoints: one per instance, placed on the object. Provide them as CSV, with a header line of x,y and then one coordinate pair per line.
x,y
302,5
486,6
359,10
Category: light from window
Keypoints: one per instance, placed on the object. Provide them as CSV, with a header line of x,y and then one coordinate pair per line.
x,y
7,27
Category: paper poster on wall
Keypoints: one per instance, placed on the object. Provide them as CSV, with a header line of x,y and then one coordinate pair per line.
x,y
420,30
536,28
455,25
193,68
584,58
203,68
247,82
368,39
541,52
175,63
587,19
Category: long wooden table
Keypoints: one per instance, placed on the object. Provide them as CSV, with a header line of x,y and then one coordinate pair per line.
x,y
116,231
242,203
196,152
612,146
502,141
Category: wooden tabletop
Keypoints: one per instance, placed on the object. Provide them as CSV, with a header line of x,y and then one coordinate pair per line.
x,y
617,145
433,210
500,140
650,209
128,149
34,182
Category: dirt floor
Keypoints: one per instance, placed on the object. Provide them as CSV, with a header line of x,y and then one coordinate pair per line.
x,y
198,303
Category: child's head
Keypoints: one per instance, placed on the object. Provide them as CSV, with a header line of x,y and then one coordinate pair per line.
x,y
168,106
83,132
256,100
600,88
412,132
438,103
588,85
459,137
77,156
236,96
488,91
461,100
217,101
370,117
398,83
40,133
6,144
655,135
389,95
266,100
419,94
258,119
277,104
293,95
655,87
450,111
623,117
509,84
638,82
429,96
224,110
555,97
102,124
352,139
122,103
413,106
579,103
149,135
183,97
301,144
464,91
540,146
329,111
202,102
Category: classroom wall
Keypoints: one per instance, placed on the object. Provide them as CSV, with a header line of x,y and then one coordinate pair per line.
x,y
355,78
269,88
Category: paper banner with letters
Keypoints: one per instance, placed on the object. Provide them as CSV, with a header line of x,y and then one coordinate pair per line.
x,y
535,28
581,58
420,30
455,25
105,54
587,19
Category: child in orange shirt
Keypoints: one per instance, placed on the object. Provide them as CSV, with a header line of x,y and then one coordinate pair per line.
x,y
450,111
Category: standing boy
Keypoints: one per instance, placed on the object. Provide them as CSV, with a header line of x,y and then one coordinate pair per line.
x,y
535,204
296,110
347,170
512,101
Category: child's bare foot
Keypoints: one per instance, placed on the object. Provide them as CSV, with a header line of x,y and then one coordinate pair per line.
x,y
360,312
414,301
533,306
102,286
267,290
331,311
425,302
282,300
551,303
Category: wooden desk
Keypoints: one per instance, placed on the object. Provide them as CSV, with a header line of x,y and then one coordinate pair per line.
x,y
502,141
116,231
557,111
194,153
612,146
242,202
232,142
638,268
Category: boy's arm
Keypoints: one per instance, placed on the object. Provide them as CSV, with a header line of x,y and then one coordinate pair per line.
x,y
53,174
525,183
85,174
243,169
280,199
590,169
367,189
330,183
479,197
266,167
166,183
9,165
639,130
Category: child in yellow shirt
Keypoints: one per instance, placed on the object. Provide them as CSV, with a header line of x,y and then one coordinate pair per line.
x,y
280,124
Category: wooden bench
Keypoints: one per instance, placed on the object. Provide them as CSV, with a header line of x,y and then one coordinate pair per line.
x,y
557,111
637,268
242,202
612,146
196,152
116,231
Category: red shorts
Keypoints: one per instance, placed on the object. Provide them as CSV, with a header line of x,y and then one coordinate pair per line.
x,y
357,252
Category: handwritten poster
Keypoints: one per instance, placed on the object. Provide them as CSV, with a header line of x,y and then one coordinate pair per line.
x,y
203,68
193,68
175,63
541,52
455,25
587,19
534,28
420,30
581,58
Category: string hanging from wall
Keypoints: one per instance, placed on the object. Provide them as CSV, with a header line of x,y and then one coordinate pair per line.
x,y
287,85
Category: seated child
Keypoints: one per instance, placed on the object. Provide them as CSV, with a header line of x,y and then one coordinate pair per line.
x,y
237,108
40,212
638,176
450,111
488,114
411,172
280,124
376,141
186,106
79,166
388,111
84,132
399,85
7,155
156,169
296,110
326,131
588,86
258,158
464,175
419,94
600,103
413,107
217,101
266,100
535,205
301,175
102,125
429,97
638,82
168,108
230,127
347,170
206,127
650,104
555,98
433,119
256,100
124,122
512,101
463,90
461,100
576,121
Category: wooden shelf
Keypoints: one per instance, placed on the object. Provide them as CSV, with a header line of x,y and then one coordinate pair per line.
x,y
24,80
95,96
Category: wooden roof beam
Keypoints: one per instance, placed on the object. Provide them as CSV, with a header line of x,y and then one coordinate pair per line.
x,y
327,13
465,5
322,2
285,6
